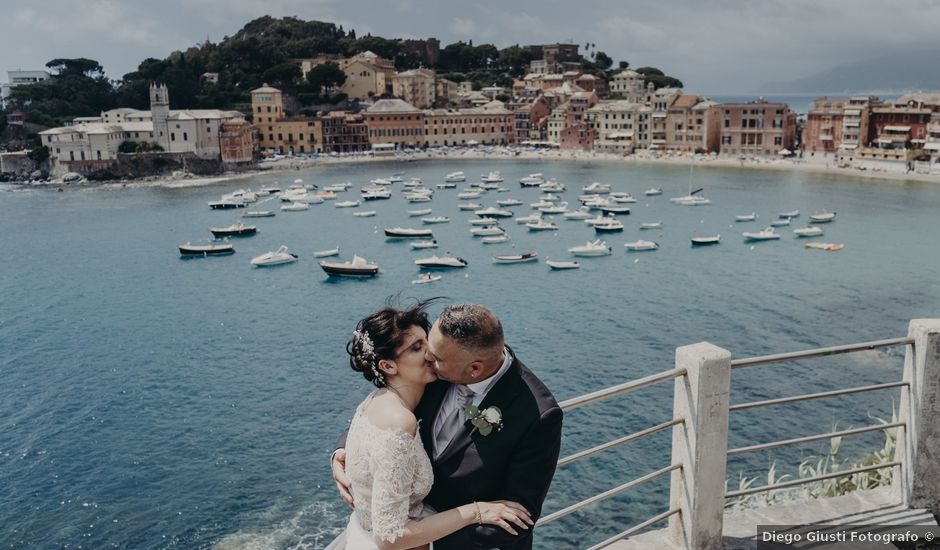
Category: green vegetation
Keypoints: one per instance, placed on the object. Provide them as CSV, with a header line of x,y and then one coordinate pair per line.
x,y
139,147
266,50
660,80
3,121
816,466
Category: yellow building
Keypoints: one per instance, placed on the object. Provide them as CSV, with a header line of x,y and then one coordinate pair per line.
x,y
367,75
277,133
491,124
415,87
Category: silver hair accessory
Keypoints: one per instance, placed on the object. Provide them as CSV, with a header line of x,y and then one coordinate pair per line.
x,y
367,351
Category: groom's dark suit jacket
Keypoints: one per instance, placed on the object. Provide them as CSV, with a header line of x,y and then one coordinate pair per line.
x,y
515,463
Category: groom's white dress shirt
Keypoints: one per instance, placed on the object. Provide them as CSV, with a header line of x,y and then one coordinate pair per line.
x,y
480,389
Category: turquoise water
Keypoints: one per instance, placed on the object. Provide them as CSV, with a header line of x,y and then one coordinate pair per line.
x,y
153,402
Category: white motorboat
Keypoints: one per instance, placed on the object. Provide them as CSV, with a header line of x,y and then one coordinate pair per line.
x,y
326,253
622,198
651,225
338,187
364,214
780,223
374,195
542,225
555,208
487,231
532,180
346,204
212,249
612,226
416,213
495,239
446,186
706,241
509,202
691,200
295,207
615,210
791,214
808,232
407,233
653,191
469,206
831,247
531,218
435,219
258,214
278,257
596,203
492,177
226,204
298,181
515,258
552,186
441,262
326,195
397,178
358,267
234,230
550,197
746,217
766,234
596,188
483,221
822,217
599,219
581,214
381,181
425,279
541,204
419,245
559,265
591,248
418,197
455,177
640,246
472,194
493,212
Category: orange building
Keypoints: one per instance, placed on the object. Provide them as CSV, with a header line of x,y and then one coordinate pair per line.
x,y
236,140
392,121
757,128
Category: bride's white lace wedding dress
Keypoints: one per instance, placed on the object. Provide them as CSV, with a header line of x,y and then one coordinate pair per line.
x,y
390,474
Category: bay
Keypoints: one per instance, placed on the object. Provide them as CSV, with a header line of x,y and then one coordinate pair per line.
x,y
149,401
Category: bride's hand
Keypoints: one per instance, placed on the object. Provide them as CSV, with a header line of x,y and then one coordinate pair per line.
x,y
504,513
339,476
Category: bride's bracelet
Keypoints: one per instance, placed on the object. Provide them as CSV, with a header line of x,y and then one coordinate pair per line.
x,y
479,513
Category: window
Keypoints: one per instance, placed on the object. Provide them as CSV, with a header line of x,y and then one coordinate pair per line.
x,y
172,136
269,108
99,154
185,136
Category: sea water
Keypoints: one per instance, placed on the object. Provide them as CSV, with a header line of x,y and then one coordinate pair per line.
x,y
150,401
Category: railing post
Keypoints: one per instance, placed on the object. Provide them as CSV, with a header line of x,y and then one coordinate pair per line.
x,y
700,445
920,409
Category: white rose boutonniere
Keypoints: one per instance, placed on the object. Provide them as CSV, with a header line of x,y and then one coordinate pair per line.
x,y
484,421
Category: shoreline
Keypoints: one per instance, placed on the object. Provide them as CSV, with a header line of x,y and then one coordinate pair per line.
x,y
872,170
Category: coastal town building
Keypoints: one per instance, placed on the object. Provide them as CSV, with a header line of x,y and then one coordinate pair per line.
x,y
367,75
20,78
236,141
691,125
932,146
344,132
491,124
530,117
87,146
396,123
621,126
578,132
757,128
629,85
281,134
855,126
559,53
427,51
824,126
306,65
416,87
897,130
445,91
660,101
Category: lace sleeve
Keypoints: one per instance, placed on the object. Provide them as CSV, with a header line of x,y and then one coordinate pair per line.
x,y
394,473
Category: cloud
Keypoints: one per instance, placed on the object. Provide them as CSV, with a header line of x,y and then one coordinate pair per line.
x,y
463,28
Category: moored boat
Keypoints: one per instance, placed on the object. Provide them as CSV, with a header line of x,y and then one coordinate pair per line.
x,y
295,207
706,241
492,212
213,249
515,258
831,247
822,217
640,246
417,213
326,253
612,226
278,257
651,225
454,177
441,262
258,214
559,265
425,279
364,214
766,234
808,232
234,230
746,217
407,233
358,267
418,245
591,248
653,191
791,214
435,219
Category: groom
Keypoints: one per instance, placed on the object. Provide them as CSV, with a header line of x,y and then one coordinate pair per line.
x,y
515,462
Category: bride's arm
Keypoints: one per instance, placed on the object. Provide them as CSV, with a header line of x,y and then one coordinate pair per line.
x,y
394,474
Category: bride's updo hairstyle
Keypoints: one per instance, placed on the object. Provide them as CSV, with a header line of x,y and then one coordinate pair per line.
x,y
379,336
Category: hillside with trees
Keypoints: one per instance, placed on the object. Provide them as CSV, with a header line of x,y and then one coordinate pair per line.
x,y
267,49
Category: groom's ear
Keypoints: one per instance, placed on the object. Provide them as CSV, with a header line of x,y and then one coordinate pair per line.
x,y
477,369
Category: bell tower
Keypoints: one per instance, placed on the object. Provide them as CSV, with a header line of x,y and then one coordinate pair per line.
x,y
159,112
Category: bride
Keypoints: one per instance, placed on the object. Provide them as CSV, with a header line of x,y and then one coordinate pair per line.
x,y
385,459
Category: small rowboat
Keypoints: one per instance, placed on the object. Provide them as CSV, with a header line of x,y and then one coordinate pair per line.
x,y
516,258
558,265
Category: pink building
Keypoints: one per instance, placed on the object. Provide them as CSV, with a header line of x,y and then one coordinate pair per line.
x,y
757,128
824,124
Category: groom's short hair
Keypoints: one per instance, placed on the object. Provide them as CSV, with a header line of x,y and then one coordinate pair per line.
x,y
472,326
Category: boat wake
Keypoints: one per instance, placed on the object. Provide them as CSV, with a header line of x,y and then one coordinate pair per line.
x,y
314,526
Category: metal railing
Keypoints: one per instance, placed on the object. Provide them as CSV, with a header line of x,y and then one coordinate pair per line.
x,y
810,354
606,393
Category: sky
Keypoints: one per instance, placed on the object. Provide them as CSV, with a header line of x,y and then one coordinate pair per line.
x,y
717,47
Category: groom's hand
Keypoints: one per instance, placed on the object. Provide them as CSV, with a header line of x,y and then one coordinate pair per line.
x,y
339,476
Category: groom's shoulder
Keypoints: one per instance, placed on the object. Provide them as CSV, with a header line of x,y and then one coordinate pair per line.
x,y
540,393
